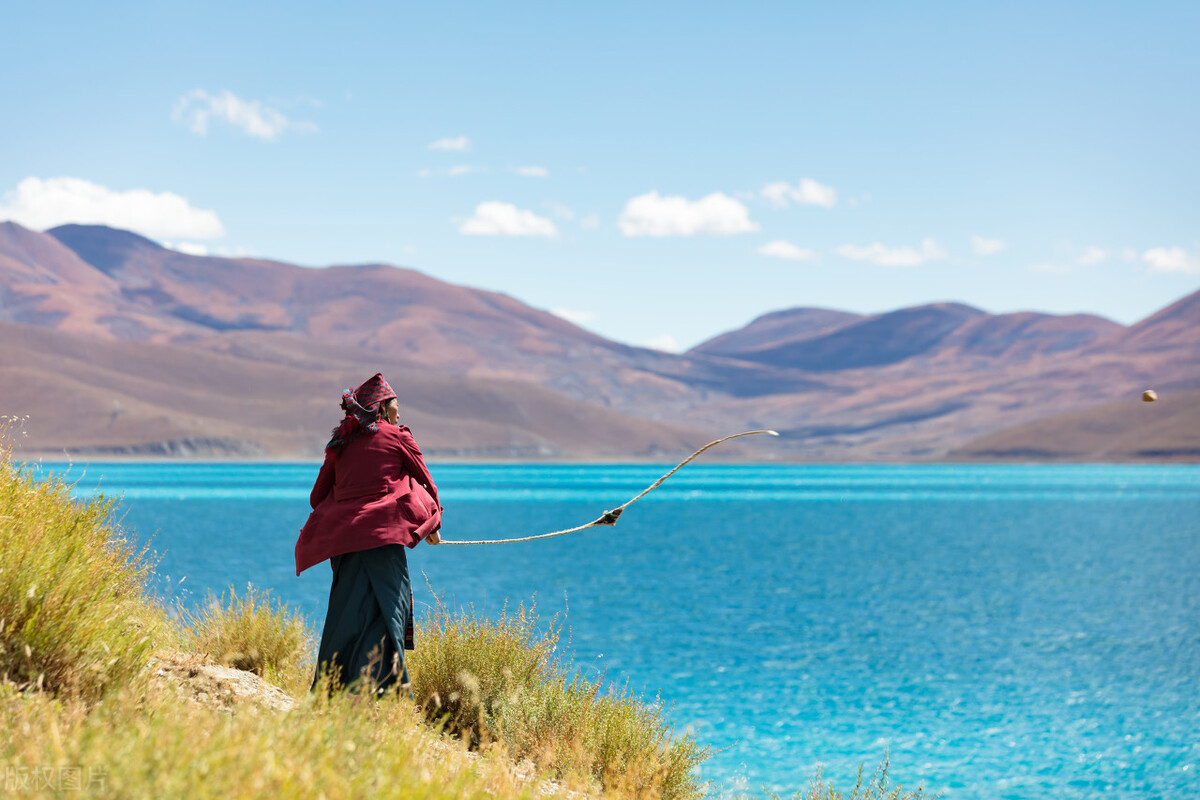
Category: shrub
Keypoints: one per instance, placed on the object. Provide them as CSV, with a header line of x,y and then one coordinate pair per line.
x,y
253,633
501,681
74,618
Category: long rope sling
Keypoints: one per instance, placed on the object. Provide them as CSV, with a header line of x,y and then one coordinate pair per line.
x,y
610,517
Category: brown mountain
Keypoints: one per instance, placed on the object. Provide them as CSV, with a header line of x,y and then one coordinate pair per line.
x,y
245,305
162,352
1176,326
915,383
89,395
1126,431
909,384
774,330
825,341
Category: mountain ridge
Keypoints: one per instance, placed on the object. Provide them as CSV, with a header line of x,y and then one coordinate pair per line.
x,y
913,383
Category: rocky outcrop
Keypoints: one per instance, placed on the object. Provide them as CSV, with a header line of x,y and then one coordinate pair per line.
x,y
195,680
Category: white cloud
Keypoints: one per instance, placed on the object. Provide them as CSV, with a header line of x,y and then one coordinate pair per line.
x,y
786,250
458,143
806,193
664,342
562,211
533,172
903,256
987,247
197,108
236,252
43,203
717,214
1167,260
590,222
307,100
863,199
576,317
1129,254
187,248
457,171
504,219
1092,255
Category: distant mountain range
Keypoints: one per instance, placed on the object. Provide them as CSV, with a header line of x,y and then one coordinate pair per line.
x,y
112,344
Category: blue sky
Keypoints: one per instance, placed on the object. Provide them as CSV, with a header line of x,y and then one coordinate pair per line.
x,y
658,172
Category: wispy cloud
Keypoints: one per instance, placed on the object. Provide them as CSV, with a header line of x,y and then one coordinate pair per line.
x,y
456,171
986,247
664,342
1070,258
806,193
494,218
575,317
590,223
652,214
43,203
532,172
459,144
188,248
1168,260
198,108
1092,255
903,256
562,211
786,250
236,252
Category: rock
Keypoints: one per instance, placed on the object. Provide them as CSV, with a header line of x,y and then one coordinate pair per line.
x,y
213,685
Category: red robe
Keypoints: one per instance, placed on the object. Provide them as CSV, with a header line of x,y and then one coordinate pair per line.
x,y
377,491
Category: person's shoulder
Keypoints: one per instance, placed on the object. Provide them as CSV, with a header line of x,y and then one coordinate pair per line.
x,y
395,431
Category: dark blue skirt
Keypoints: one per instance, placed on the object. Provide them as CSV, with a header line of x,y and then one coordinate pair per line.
x,y
369,623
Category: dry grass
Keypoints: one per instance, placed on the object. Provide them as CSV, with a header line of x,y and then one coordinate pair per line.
x,y
501,680
250,632
136,744
75,618
877,787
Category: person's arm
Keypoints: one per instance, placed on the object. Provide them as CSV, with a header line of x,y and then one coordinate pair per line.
x,y
324,482
414,462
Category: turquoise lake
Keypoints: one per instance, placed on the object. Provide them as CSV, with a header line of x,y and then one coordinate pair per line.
x,y
1000,631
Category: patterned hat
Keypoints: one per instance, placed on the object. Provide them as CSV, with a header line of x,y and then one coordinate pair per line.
x,y
362,410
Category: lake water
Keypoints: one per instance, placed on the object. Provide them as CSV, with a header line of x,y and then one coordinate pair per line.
x,y
1001,631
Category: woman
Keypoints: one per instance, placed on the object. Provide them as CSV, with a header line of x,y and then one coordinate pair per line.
x,y
373,498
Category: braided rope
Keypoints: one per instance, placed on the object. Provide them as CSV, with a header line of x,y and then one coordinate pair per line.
x,y
610,517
